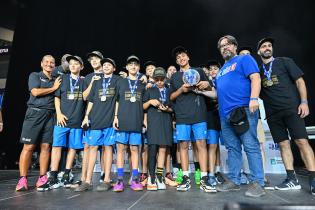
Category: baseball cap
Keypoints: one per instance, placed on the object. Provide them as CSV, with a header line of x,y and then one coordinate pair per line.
x,y
159,72
95,53
133,58
239,121
74,57
178,49
263,40
148,63
109,60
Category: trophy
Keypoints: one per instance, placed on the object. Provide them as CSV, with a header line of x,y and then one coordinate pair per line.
x,y
191,77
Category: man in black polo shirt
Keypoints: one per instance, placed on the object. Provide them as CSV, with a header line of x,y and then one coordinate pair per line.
x,y
285,98
39,121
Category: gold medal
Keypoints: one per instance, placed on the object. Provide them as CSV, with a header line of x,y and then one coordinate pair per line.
x,y
269,83
71,96
133,99
103,98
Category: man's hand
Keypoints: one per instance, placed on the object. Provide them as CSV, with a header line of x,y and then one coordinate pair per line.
x,y
202,85
155,102
148,86
163,108
95,77
1,126
115,123
85,122
303,110
253,105
143,79
61,120
57,83
185,88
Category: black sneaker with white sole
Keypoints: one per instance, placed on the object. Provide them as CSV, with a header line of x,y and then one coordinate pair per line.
x,y
206,186
289,184
52,183
66,180
184,185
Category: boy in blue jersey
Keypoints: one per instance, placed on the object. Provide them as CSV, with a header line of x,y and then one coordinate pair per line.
x,y
69,106
238,87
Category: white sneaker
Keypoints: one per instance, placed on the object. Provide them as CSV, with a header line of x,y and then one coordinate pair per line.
x,y
160,183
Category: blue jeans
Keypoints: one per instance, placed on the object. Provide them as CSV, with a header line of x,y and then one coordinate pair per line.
x,y
233,144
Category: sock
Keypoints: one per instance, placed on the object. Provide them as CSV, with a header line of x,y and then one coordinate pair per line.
x,y
186,173
311,176
211,174
291,174
217,169
175,165
67,171
102,173
120,173
180,166
204,174
135,173
159,171
54,174
197,166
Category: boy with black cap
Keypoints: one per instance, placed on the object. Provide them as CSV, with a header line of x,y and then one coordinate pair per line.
x,y
285,98
39,121
69,106
190,112
128,122
99,117
157,103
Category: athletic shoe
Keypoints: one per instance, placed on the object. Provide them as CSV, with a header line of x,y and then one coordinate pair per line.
x,y
289,184
255,190
119,186
313,187
184,185
268,185
179,176
143,179
213,181
102,177
244,178
22,184
169,180
228,186
65,181
41,181
60,175
151,185
52,183
84,187
160,182
197,176
76,184
219,177
136,185
104,186
206,186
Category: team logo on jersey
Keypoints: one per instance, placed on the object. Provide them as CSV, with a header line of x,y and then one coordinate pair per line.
x,y
226,70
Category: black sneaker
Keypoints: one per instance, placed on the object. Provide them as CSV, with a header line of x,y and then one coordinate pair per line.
x,y
268,185
289,184
102,177
185,184
76,184
66,180
51,183
206,186
219,177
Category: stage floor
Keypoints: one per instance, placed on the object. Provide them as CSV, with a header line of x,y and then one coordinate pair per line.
x,y
168,199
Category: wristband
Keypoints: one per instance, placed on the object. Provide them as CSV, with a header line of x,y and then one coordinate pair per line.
x,y
304,101
253,99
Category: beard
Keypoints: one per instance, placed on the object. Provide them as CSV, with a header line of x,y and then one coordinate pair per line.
x,y
228,55
267,54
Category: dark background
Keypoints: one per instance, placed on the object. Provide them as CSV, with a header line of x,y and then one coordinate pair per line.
x,y
149,29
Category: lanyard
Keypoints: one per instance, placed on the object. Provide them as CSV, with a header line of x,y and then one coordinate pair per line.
x,y
75,84
105,85
163,95
132,88
269,72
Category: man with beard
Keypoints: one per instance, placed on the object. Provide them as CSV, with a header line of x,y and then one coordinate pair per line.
x,y
285,98
238,87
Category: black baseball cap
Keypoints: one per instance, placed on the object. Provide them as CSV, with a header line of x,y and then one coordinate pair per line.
x,y
74,57
159,72
148,63
177,50
250,49
109,60
133,58
95,53
263,40
238,120
213,63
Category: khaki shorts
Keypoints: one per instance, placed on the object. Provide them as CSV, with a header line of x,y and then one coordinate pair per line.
x,y
260,132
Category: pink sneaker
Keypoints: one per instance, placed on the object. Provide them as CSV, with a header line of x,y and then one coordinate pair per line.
x,y
41,181
22,184
136,185
119,186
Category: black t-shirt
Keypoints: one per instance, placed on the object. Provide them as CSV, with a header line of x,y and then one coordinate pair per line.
x,y
72,108
130,114
190,108
40,80
58,71
159,129
283,94
88,78
102,113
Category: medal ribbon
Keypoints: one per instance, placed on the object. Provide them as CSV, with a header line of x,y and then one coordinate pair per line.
x,y
75,84
269,72
132,88
105,85
163,94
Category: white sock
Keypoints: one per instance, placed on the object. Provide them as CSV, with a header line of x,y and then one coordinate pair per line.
x,y
204,174
217,169
186,173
